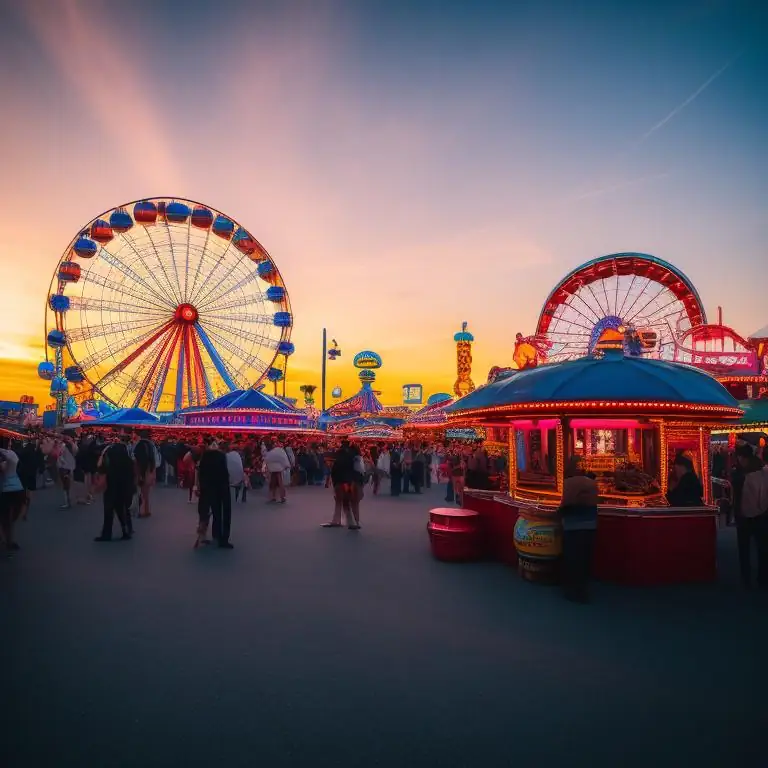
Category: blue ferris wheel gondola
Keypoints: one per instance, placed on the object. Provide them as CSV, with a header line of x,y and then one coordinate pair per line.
x,y
121,220
145,212
274,374
46,370
276,294
73,374
283,319
285,348
267,272
202,218
58,302
176,212
85,248
58,385
223,227
56,339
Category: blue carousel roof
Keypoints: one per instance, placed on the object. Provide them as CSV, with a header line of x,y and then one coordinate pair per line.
x,y
613,377
253,398
132,416
224,401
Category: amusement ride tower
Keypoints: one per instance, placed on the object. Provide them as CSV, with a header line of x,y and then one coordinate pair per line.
x,y
464,384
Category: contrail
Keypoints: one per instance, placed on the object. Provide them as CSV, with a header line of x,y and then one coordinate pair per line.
x,y
693,96
621,185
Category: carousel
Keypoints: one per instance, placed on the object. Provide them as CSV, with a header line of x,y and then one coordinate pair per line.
x,y
626,419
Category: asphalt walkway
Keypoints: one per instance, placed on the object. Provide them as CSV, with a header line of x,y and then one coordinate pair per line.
x,y
312,647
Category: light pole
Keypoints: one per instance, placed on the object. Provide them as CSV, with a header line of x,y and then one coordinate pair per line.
x,y
325,355
328,354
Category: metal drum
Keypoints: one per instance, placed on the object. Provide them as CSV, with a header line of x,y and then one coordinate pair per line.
x,y
539,544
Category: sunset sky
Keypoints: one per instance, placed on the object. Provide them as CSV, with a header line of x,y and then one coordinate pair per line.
x,y
408,165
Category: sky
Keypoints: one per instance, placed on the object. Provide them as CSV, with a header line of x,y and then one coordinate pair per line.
x,y
409,166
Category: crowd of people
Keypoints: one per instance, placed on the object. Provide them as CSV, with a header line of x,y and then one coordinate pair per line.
x,y
218,470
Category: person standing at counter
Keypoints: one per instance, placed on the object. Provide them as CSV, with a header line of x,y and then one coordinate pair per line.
x,y
578,513
687,490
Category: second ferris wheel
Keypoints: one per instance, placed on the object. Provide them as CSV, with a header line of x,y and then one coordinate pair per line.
x,y
164,304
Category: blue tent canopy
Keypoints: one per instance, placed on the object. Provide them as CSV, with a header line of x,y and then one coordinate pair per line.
x,y
130,417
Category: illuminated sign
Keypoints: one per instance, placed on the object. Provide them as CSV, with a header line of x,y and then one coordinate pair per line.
x,y
413,394
721,362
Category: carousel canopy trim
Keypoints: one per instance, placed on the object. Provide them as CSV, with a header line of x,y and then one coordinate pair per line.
x,y
613,381
128,416
762,333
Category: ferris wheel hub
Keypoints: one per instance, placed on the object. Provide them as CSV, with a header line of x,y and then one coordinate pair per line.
x,y
186,313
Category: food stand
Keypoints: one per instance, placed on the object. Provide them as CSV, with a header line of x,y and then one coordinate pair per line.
x,y
626,418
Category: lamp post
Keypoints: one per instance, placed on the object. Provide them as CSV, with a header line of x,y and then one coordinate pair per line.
x,y
328,354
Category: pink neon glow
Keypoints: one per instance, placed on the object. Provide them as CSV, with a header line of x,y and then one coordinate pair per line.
x,y
608,424
534,423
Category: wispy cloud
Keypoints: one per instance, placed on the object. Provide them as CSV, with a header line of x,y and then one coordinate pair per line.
x,y
608,189
88,53
680,107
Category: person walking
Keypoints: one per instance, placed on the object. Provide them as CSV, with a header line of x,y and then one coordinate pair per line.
x,y
145,456
578,514
12,495
395,471
417,469
752,516
213,481
344,488
277,462
116,467
65,463
406,460
235,471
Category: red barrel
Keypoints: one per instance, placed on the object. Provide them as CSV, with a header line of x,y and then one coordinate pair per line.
x,y
455,535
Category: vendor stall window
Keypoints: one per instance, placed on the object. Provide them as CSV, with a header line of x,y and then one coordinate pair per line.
x,y
622,454
536,449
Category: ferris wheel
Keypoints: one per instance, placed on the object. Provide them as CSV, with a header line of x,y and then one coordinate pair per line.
x,y
639,293
164,304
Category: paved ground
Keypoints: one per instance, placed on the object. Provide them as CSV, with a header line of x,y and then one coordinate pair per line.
x,y
313,647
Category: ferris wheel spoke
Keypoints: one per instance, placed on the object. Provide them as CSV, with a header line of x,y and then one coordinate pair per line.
x,y
573,322
647,304
620,311
597,301
230,304
213,295
148,371
254,338
144,341
589,307
200,261
86,304
157,385
641,292
218,363
177,285
241,317
125,290
247,359
100,331
133,276
202,383
200,296
176,296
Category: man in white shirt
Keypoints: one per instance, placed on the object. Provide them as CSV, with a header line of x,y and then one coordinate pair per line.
x,y
236,471
276,461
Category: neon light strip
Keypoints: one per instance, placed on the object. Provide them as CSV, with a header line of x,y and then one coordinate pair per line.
x,y
179,399
218,363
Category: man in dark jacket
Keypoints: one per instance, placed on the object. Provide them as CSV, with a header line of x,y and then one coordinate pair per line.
x,y
213,481
117,467
345,487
